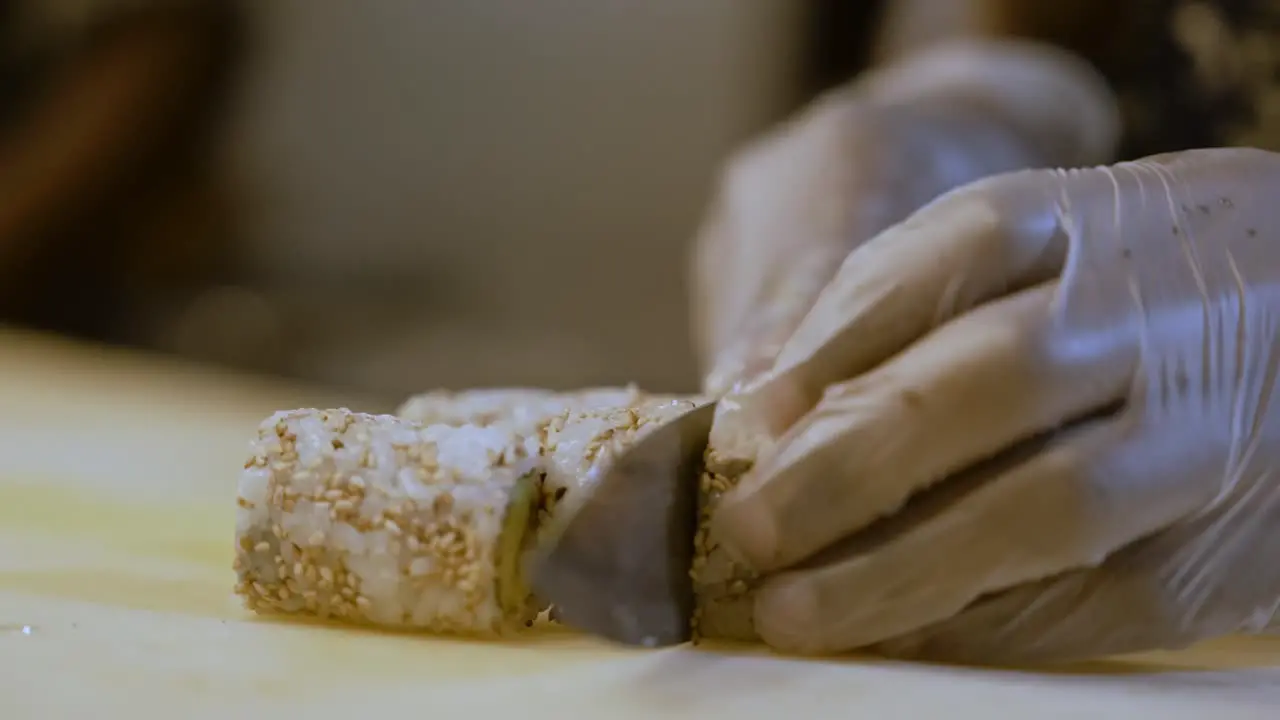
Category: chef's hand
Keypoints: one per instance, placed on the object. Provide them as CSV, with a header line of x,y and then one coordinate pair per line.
x,y
1081,367
791,206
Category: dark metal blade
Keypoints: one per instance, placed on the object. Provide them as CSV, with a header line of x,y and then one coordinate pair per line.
x,y
620,567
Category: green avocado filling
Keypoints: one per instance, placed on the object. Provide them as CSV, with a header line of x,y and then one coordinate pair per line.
x,y
512,592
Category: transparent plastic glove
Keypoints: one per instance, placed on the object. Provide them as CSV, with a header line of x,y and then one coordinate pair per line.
x,y
792,205
981,349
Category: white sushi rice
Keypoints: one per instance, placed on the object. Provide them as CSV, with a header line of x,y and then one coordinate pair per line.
x,y
421,525
521,409
376,519
580,445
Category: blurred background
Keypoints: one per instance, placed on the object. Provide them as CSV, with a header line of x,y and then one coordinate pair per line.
x,y
385,196
396,195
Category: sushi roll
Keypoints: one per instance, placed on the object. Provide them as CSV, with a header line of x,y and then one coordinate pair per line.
x,y
378,520
577,433
519,408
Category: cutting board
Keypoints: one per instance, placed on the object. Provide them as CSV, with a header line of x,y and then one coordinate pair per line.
x,y
117,477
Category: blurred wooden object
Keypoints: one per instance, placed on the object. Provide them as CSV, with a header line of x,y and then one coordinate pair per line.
x,y
105,160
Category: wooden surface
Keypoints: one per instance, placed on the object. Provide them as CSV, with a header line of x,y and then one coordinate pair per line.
x,y
117,476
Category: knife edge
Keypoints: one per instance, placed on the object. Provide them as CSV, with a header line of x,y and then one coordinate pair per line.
x,y
620,566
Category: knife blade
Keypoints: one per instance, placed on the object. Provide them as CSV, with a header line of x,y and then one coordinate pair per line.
x,y
620,566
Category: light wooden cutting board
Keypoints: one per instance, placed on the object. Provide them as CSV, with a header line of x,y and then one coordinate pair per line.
x,y
117,478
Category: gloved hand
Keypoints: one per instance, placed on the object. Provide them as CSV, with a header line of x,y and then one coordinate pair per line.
x,y
792,205
1036,421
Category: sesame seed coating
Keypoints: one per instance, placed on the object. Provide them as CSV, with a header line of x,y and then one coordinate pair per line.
x,y
723,606
420,522
579,445
374,519
522,409
577,433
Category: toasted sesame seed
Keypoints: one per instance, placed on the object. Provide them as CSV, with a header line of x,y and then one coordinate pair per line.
x,y
361,521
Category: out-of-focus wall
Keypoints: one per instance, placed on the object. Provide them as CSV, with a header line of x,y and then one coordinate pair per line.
x,y
490,192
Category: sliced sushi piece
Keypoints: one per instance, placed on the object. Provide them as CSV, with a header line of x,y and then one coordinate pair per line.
x,y
379,520
722,588
385,520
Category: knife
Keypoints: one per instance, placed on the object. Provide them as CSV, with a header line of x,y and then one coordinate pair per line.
x,y
620,566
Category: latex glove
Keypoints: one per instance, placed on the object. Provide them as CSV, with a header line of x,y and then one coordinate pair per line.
x,y
792,205
980,327
860,159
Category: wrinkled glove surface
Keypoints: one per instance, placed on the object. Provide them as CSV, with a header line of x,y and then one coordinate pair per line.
x,y
1035,421
792,205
